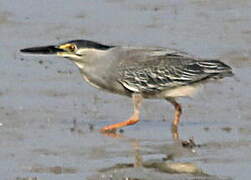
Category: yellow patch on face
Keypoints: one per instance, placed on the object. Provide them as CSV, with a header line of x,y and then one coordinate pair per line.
x,y
68,47
61,53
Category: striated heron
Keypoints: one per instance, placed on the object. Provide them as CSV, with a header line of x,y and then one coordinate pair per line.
x,y
138,72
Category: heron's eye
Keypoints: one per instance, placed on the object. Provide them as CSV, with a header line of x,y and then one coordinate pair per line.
x,y
72,47
68,47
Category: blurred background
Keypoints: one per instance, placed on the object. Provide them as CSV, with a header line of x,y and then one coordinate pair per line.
x,y
49,117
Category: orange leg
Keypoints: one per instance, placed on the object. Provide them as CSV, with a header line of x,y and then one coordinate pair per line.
x,y
176,120
137,99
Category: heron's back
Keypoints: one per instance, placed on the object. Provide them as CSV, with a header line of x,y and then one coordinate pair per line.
x,y
153,71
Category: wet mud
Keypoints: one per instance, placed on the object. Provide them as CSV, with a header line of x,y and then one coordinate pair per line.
x,y
50,118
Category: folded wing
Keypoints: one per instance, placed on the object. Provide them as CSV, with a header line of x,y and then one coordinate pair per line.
x,y
161,72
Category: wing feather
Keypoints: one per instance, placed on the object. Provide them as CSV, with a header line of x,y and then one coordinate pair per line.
x,y
157,72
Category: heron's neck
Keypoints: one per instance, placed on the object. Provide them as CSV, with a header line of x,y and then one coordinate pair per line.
x,y
80,65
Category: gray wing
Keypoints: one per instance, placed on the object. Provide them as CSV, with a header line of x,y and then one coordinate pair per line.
x,y
160,72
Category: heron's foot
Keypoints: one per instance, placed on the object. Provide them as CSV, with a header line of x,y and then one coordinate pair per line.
x,y
113,127
108,130
137,99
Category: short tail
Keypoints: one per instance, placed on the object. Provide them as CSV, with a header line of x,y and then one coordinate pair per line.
x,y
216,68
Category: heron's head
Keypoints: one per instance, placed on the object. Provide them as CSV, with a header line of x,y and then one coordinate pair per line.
x,y
75,50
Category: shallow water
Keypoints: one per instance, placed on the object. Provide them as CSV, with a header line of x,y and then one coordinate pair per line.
x,y
41,97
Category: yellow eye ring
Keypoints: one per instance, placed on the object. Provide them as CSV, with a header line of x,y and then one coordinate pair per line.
x,y
68,47
72,47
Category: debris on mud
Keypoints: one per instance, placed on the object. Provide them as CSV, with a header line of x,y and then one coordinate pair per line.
x,y
75,127
27,178
53,170
189,143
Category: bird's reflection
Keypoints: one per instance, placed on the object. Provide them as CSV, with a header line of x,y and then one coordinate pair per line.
x,y
138,159
175,133
167,164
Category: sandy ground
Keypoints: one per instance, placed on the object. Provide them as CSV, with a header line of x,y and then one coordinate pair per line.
x,y
41,97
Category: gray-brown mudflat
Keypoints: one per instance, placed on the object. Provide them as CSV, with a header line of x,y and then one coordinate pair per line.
x,y
40,97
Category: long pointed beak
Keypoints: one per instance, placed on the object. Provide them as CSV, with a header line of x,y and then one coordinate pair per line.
x,y
43,50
